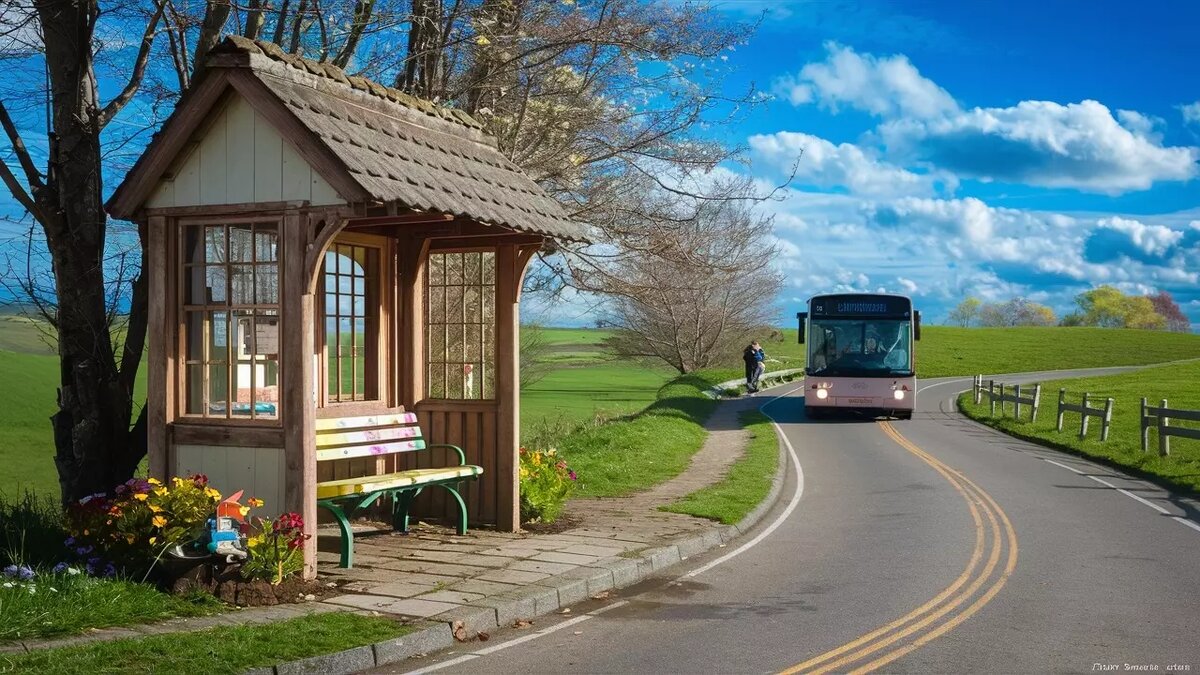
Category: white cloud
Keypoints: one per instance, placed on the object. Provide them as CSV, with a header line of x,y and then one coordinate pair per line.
x,y
1150,239
907,285
1190,112
819,162
885,86
1042,143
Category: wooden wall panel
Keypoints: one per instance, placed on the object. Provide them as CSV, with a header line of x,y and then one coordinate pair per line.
x,y
268,162
257,471
240,152
214,163
471,427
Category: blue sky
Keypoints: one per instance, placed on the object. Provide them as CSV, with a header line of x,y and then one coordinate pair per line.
x,y
989,149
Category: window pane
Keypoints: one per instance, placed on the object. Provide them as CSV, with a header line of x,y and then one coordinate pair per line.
x,y
472,311
266,334
360,286
330,261
454,344
193,336
360,306
218,389
266,284
471,268
462,309
266,242
488,262
437,305
345,264
437,344
241,244
241,284
193,244
214,244
218,337
436,270
214,287
331,283
437,381
194,383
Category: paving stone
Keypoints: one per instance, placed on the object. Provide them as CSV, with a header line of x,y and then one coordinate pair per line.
x,y
513,576
545,567
597,579
399,589
440,556
389,605
477,560
455,596
589,549
568,558
407,565
427,579
461,571
349,661
662,558
482,587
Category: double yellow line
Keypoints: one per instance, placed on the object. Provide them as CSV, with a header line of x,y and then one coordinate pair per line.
x,y
994,535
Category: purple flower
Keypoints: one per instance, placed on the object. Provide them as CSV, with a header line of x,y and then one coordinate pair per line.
x,y
83,550
110,570
572,475
70,541
10,571
24,573
60,568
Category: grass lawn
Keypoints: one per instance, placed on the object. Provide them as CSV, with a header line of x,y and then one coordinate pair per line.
x,y
748,482
569,396
216,650
1177,383
52,605
27,400
633,453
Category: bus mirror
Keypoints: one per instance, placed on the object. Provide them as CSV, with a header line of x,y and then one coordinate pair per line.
x,y
800,317
916,325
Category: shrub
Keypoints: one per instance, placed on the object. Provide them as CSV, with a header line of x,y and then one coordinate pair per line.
x,y
144,518
275,547
546,484
32,531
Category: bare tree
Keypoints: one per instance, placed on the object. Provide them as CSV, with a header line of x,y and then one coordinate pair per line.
x,y
691,293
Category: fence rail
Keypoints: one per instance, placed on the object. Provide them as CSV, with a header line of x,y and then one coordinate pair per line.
x,y
997,392
1160,418
1085,411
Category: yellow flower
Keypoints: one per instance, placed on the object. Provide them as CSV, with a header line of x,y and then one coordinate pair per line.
x,y
211,493
155,508
154,481
482,41
141,496
255,502
160,491
153,539
244,510
177,481
158,521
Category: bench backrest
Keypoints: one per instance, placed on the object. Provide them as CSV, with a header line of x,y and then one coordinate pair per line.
x,y
368,436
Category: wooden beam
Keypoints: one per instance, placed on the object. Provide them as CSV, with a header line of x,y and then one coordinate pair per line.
x,y
508,516
401,219
412,253
249,208
298,406
486,241
160,347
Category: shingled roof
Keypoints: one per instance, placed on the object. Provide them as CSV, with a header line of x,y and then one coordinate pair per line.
x,y
398,148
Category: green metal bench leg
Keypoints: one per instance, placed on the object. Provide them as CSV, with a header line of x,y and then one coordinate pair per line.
x,y
347,542
462,507
401,502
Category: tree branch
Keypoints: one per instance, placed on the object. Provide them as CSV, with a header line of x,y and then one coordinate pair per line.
x,y
32,176
139,69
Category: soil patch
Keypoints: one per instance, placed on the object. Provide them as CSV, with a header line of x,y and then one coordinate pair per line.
x,y
227,584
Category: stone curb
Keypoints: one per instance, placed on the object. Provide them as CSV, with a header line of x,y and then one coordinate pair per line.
x,y
716,390
544,597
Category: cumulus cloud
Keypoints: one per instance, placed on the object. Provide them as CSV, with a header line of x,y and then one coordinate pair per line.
x,y
1082,145
819,162
886,86
1191,113
1042,143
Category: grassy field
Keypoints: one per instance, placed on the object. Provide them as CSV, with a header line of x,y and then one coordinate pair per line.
x,y
1176,383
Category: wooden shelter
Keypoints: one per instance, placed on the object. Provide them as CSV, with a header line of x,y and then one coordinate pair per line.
x,y
324,246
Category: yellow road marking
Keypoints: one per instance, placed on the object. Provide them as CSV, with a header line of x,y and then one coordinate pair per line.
x,y
975,497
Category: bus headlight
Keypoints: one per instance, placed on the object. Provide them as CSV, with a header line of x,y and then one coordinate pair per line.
x,y
898,394
822,394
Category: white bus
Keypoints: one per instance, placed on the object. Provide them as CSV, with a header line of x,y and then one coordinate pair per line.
x,y
860,354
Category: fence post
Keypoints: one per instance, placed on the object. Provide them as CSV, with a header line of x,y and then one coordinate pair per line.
x,y
1037,400
1144,427
977,384
1083,419
1164,441
1017,403
992,396
1062,398
1107,419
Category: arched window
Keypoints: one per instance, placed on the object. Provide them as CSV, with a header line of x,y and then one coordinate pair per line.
x,y
352,309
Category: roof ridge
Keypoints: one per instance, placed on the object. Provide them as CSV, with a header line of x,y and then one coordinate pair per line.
x,y
239,44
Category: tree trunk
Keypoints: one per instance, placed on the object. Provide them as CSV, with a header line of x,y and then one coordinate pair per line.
x,y
93,450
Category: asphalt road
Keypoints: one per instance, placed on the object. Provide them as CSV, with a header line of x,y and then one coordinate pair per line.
x,y
933,545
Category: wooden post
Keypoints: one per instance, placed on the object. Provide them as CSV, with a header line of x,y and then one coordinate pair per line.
x,y
160,383
1145,427
1164,441
508,517
1083,419
992,396
977,384
1108,405
1017,402
1062,398
299,410
1037,400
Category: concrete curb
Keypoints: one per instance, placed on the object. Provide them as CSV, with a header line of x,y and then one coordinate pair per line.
x,y
544,597
717,390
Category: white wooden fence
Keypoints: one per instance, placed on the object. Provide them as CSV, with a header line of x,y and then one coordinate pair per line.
x,y
1085,411
1160,418
997,392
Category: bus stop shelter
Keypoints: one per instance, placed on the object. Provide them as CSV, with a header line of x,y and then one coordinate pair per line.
x,y
320,245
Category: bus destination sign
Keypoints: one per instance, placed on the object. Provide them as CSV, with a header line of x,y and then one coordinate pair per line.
x,y
861,306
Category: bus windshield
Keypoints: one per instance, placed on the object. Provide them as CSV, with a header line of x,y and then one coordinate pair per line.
x,y
860,347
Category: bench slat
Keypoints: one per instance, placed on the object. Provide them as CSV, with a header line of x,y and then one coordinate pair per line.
x,y
367,436
328,423
367,484
369,450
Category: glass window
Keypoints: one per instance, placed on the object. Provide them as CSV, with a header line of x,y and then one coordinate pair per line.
x,y
351,322
231,321
460,291
860,347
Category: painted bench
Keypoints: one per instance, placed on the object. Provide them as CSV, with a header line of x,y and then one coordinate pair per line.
x,y
377,436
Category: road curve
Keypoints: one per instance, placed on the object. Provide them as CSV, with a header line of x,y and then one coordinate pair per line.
x,y
931,545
